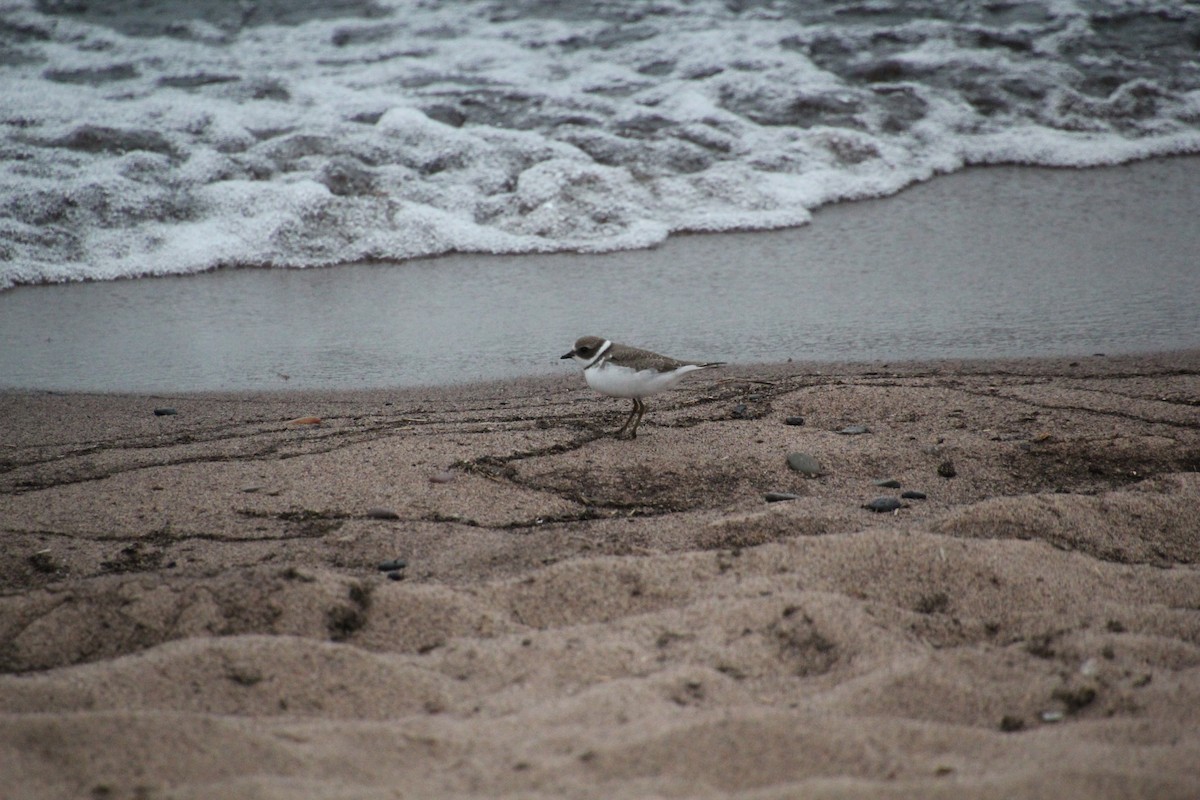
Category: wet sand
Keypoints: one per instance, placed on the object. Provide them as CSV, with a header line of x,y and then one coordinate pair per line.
x,y
192,604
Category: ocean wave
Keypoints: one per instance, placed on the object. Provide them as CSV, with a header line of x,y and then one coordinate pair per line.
x,y
200,135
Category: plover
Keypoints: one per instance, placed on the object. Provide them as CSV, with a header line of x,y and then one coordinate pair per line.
x,y
621,371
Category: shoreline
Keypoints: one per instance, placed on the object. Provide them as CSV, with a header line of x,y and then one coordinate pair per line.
x,y
583,617
569,374
979,263
1186,158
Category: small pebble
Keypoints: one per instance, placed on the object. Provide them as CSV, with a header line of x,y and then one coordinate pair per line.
x,y
304,421
946,469
794,421
1011,723
883,504
165,412
775,497
1052,716
804,464
740,411
395,576
382,513
393,565
888,483
913,494
854,430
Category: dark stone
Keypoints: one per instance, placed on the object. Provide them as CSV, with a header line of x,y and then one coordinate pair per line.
x,y
933,603
794,421
1011,724
888,483
913,494
382,513
42,561
740,411
1075,699
393,565
881,505
395,575
946,469
775,497
165,412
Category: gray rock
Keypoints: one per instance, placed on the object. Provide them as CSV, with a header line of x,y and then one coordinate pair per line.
x,y
913,494
775,497
794,421
382,513
854,430
881,505
165,412
804,464
393,565
888,483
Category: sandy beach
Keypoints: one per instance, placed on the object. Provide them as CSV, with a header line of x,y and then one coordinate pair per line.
x,y
193,602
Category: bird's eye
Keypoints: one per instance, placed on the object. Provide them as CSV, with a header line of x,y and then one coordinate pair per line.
x,y
585,351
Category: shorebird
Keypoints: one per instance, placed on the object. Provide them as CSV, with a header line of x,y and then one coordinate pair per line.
x,y
618,370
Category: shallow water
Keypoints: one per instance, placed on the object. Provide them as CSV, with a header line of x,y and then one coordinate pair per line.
x,y
989,262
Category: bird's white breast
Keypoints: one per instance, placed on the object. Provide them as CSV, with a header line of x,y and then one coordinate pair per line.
x,y
617,381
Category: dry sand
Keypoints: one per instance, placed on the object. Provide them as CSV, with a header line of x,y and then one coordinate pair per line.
x,y
192,607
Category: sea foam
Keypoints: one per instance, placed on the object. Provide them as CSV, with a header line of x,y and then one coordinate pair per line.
x,y
139,143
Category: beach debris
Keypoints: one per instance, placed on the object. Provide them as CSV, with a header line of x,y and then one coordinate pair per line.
x,y
804,464
882,505
382,513
888,483
165,411
1011,723
932,603
393,565
776,497
1075,698
854,430
304,421
445,476
43,561
1052,716
794,421
912,494
946,469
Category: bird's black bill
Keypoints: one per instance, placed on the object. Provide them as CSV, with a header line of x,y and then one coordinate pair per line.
x,y
567,355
